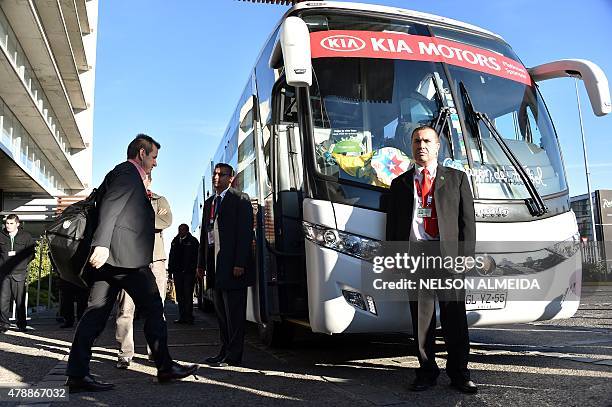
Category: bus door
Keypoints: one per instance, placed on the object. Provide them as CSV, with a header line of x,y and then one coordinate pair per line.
x,y
286,275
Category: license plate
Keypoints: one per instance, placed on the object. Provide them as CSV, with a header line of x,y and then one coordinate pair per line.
x,y
485,300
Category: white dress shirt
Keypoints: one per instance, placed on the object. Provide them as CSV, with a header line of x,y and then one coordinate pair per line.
x,y
222,194
417,228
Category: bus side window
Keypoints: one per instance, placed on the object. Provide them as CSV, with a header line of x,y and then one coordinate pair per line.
x,y
267,149
287,108
286,141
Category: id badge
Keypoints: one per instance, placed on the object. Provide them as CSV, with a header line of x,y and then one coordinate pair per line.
x,y
423,212
211,237
12,253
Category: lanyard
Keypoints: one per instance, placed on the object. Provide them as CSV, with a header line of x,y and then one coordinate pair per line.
x,y
12,242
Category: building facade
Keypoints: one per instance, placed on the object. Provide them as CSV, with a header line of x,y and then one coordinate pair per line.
x,y
602,199
47,76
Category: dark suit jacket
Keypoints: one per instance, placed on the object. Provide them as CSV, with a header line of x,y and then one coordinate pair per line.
x,y
126,220
454,206
183,255
23,245
235,222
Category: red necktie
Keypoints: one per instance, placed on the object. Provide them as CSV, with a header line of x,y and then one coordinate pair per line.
x,y
430,223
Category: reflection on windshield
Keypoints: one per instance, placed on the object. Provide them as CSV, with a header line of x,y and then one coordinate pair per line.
x,y
364,117
365,109
522,120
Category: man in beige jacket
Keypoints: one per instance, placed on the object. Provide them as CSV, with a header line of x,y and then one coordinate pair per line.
x,y
124,333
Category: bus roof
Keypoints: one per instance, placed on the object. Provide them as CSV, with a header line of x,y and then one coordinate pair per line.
x,y
388,10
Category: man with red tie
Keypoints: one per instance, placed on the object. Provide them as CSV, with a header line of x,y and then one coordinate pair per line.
x,y
432,207
225,259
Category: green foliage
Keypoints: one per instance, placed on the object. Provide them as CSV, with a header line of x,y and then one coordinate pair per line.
x,y
41,262
594,271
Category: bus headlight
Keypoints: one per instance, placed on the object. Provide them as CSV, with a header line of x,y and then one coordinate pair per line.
x,y
343,242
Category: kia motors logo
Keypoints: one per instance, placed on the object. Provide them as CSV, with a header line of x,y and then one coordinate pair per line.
x,y
343,43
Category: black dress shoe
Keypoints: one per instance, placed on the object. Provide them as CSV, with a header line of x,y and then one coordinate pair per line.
x,y
87,383
227,362
67,325
467,386
179,321
22,328
176,372
421,384
213,360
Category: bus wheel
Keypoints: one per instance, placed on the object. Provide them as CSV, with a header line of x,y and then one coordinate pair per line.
x,y
276,334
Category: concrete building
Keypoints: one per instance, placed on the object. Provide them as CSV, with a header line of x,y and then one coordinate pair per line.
x,y
47,74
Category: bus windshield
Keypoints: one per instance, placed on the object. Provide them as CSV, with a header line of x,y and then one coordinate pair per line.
x,y
519,115
364,110
364,117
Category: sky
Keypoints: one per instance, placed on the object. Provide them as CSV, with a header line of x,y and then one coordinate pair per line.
x,y
175,70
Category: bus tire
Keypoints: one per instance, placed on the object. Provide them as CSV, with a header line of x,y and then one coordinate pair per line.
x,y
276,334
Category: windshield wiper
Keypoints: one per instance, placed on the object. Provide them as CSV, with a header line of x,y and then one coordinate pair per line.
x,y
535,204
440,122
471,118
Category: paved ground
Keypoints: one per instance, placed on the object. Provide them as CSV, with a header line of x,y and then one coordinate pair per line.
x,y
565,362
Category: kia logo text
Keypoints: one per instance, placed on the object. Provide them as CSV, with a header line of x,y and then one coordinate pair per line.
x,y
343,43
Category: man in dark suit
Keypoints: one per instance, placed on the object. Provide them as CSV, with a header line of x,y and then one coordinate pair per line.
x,y
16,252
182,264
122,253
432,206
225,257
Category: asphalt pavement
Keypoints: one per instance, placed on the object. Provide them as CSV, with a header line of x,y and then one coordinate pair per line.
x,y
548,363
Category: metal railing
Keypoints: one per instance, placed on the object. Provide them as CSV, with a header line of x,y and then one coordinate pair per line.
x,y
595,266
41,274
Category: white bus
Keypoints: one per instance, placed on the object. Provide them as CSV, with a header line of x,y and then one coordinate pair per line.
x,y
323,126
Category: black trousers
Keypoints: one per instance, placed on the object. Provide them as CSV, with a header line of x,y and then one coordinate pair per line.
x,y
69,294
107,282
184,284
230,307
12,290
454,329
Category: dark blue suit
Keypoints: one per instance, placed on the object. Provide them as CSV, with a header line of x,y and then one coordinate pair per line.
x,y
235,226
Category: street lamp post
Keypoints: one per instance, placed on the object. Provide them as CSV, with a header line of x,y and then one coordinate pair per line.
x,y
586,167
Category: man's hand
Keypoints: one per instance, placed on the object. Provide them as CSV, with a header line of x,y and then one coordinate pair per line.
x,y
99,256
200,272
238,271
162,211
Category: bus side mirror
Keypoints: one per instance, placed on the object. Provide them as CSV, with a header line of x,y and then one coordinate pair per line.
x,y
594,79
293,48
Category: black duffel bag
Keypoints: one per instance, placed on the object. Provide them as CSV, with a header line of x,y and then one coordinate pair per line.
x,y
69,238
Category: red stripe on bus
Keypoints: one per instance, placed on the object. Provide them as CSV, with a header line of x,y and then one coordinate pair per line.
x,y
390,45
